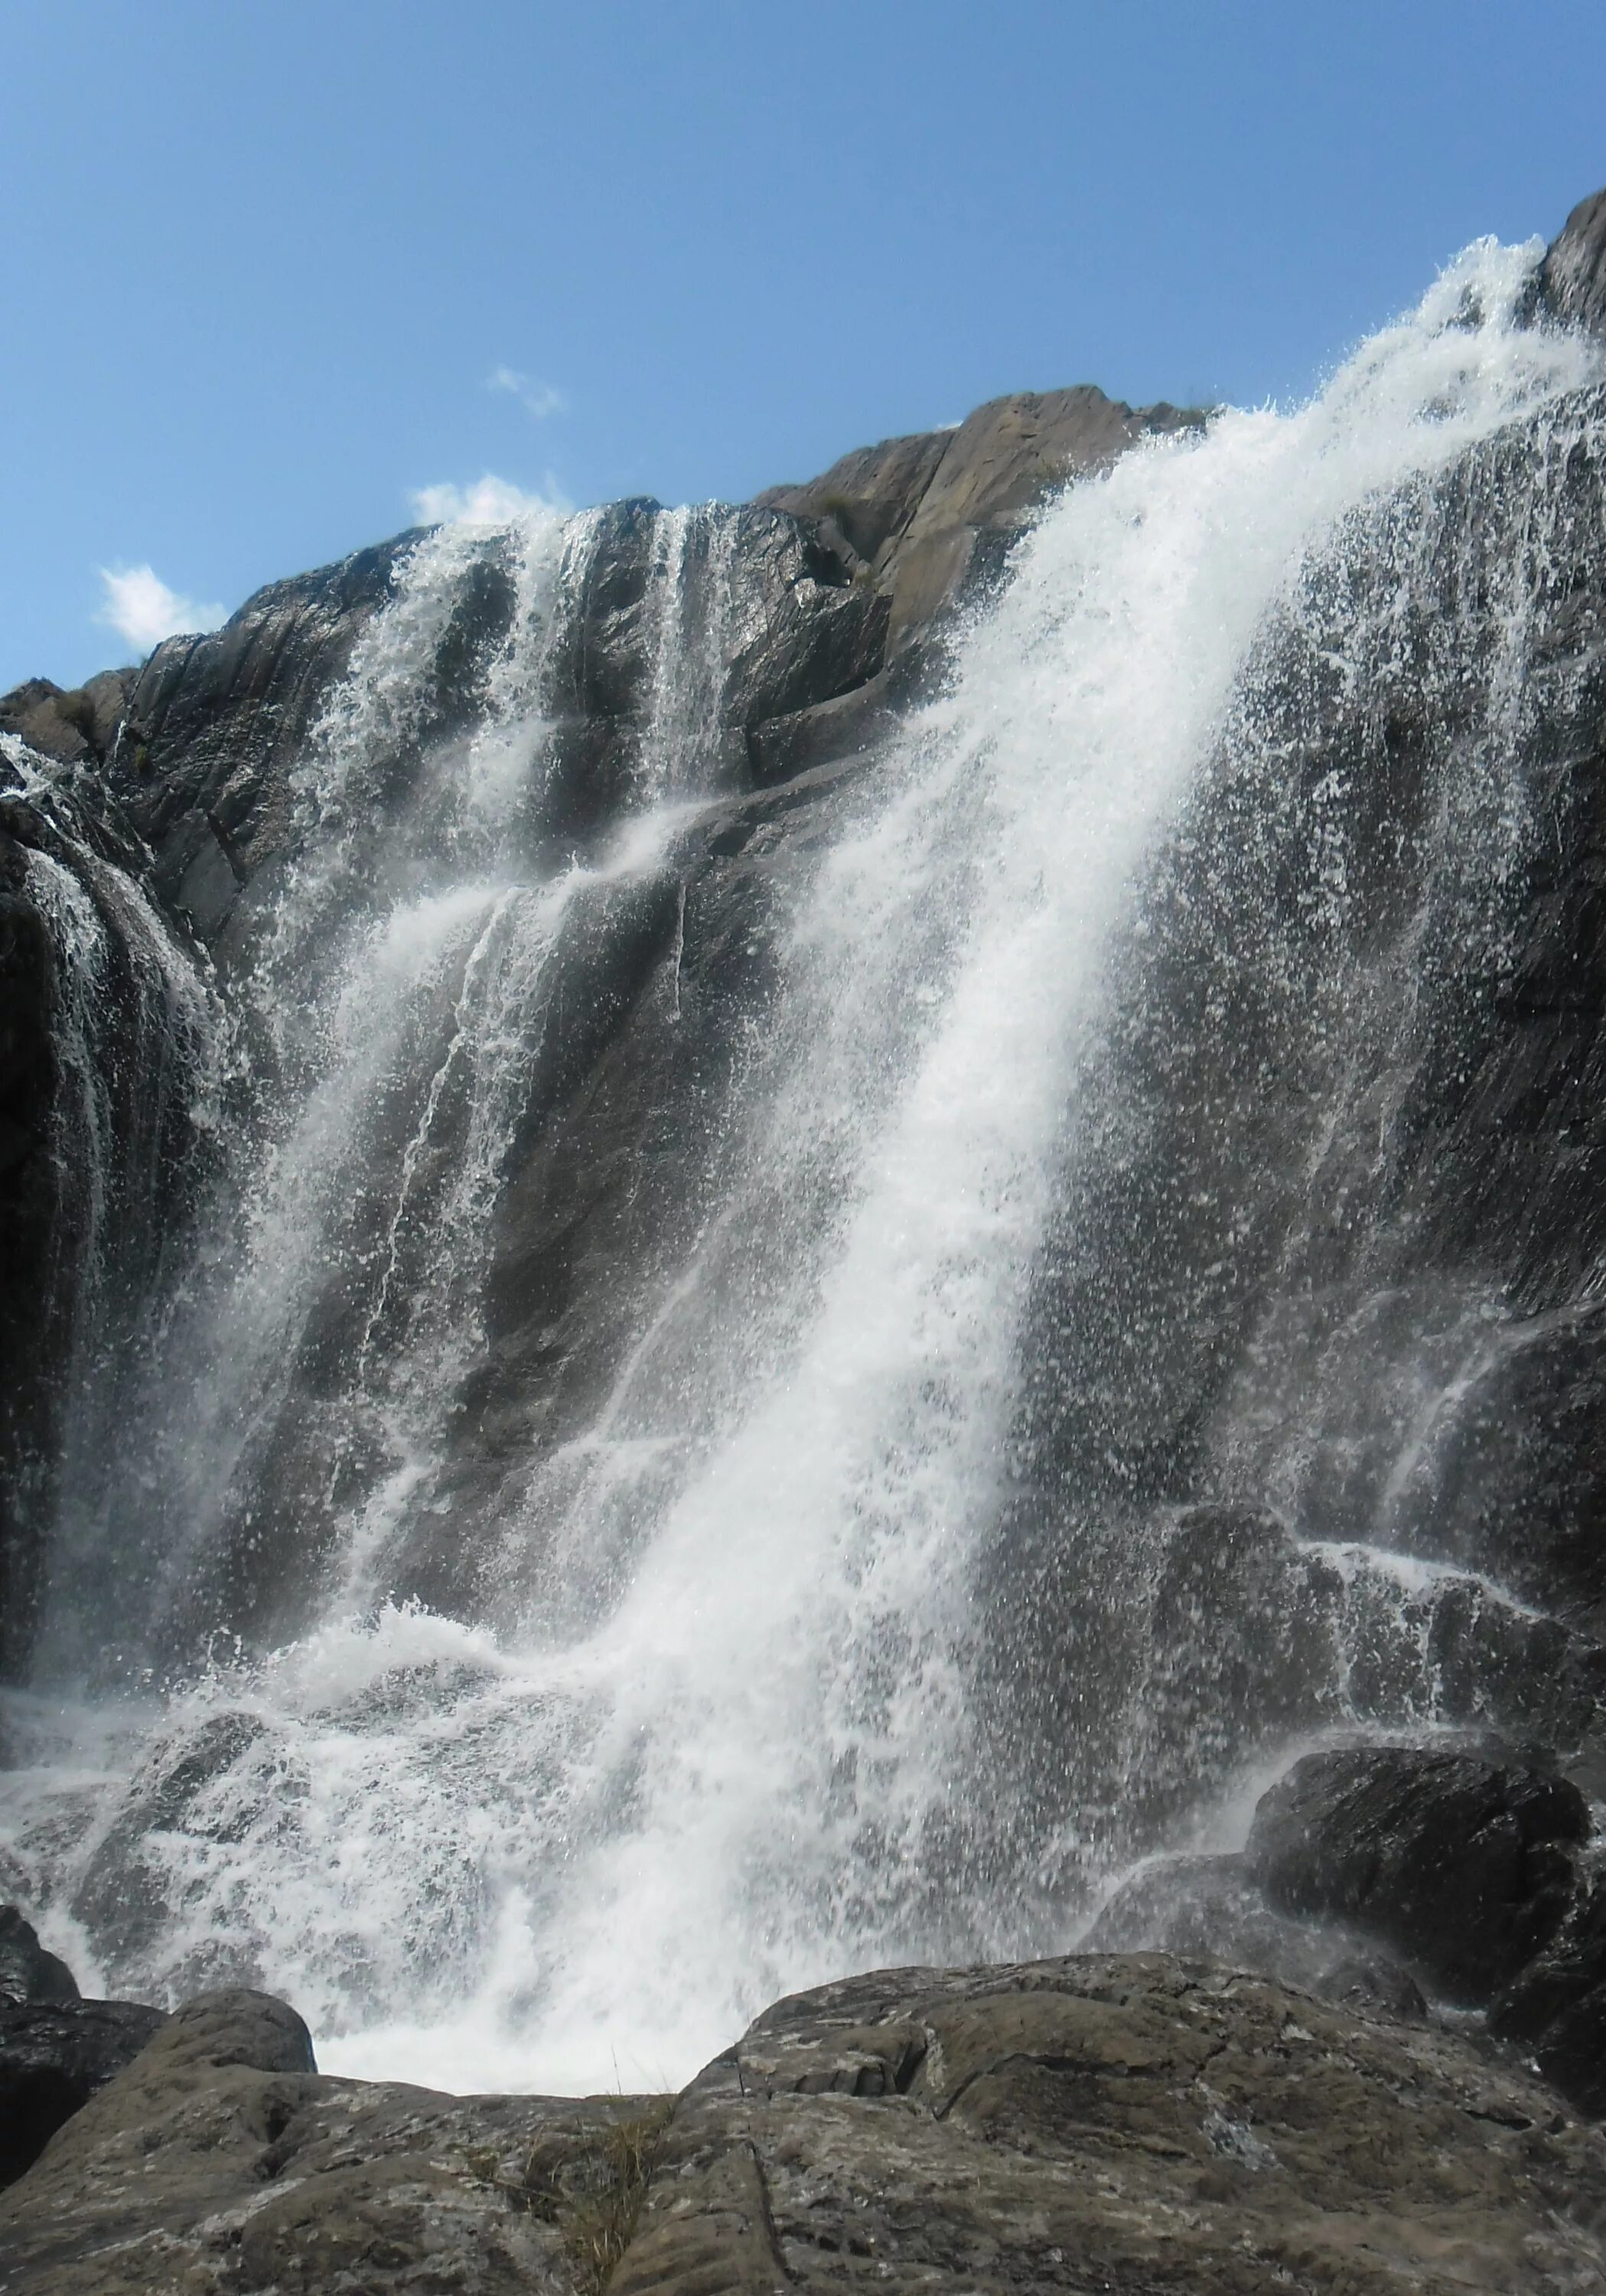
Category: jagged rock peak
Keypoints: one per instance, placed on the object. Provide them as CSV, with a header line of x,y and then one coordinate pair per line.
x,y
919,510
1572,278
71,726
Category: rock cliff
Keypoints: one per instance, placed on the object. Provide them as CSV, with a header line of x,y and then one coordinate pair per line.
x,y
1314,1332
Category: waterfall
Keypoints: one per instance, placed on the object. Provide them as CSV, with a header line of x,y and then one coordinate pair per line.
x,y
135,1042
851,1609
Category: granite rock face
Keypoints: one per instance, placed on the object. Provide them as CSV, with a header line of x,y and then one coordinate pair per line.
x,y
74,727
204,760
1130,2125
929,514
1572,278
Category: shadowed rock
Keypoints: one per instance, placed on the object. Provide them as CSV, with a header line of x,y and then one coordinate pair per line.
x,y
1572,278
27,1972
1459,1866
56,2054
1557,2005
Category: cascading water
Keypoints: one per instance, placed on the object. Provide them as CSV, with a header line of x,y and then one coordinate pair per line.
x,y
850,1618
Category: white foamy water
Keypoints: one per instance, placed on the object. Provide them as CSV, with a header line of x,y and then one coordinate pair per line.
x,y
710,1756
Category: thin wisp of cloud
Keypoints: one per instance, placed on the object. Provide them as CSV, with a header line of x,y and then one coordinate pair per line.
x,y
141,608
538,399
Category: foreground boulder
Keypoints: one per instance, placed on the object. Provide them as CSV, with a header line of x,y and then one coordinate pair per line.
x,y
57,2049
1129,2124
221,2161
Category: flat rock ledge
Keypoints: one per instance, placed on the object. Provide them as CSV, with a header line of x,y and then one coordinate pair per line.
x,y
1122,2123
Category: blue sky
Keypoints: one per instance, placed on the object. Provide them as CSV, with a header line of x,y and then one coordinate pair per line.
x,y
272,270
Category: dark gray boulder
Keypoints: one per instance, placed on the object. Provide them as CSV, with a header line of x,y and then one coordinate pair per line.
x,y
1461,1867
56,2054
1556,2007
27,1972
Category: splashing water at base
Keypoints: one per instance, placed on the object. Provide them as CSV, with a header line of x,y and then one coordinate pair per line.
x,y
507,1855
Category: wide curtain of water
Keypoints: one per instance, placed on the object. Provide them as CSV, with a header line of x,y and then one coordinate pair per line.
x,y
761,1681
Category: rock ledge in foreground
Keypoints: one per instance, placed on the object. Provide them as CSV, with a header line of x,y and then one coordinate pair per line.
x,y
1130,2124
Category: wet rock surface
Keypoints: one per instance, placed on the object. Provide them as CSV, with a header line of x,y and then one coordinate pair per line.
x,y
27,1972
930,515
96,1121
1462,1867
56,2054
1214,1905
1572,278
1126,2124
1556,2007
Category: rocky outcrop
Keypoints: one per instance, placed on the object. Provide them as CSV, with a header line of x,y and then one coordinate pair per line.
x,y
56,2051
1375,1875
1464,1867
1572,278
1125,2124
74,727
221,2161
930,515
213,725
27,1972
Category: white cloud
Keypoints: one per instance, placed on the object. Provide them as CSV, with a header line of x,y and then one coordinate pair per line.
x,y
139,606
489,501
538,399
